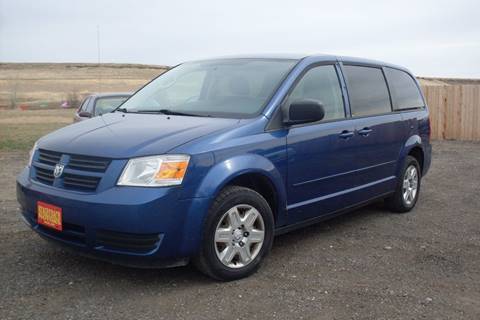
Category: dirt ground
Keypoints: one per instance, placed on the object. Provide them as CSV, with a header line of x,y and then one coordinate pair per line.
x,y
368,264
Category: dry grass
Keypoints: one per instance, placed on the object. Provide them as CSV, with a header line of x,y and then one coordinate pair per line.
x,y
20,129
48,84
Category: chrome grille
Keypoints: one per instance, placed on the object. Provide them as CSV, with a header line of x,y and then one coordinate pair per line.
x,y
44,175
82,173
74,181
88,163
49,157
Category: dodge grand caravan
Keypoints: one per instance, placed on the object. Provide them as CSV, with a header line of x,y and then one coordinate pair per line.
x,y
212,159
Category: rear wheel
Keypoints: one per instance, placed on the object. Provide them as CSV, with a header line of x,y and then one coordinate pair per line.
x,y
408,187
238,234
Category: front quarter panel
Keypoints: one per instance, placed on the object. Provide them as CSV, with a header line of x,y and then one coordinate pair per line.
x,y
216,179
245,149
227,170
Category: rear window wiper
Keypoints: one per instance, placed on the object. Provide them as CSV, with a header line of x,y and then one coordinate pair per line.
x,y
172,113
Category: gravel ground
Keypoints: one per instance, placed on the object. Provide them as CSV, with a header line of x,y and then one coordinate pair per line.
x,y
368,264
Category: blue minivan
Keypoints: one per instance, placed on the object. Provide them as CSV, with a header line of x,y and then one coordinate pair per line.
x,y
212,159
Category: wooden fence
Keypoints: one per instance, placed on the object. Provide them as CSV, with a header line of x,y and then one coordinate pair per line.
x,y
454,111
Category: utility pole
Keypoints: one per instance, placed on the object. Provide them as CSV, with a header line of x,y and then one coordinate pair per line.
x,y
98,44
98,59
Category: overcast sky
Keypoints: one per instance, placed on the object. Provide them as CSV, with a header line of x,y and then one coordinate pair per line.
x,y
431,37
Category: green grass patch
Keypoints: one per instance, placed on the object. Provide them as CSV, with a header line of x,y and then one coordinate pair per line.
x,y
20,129
23,136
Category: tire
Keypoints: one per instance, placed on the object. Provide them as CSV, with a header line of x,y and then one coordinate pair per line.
x,y
398,202
234,209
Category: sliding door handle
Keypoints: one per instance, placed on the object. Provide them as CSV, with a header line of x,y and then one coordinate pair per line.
x,y
346,134
365,131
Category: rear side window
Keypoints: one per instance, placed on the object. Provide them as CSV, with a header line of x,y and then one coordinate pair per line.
x,y
405,93
367,91
321,84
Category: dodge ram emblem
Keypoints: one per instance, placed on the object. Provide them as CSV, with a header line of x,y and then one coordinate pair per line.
x,y
57,172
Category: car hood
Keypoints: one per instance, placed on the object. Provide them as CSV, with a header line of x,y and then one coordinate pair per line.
x,y
119,135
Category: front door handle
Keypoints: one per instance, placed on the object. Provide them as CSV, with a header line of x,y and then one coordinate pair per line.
x,y
346,134
365,131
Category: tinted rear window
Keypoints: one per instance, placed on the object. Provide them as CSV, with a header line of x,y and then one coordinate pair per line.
x,y
405,93
367,91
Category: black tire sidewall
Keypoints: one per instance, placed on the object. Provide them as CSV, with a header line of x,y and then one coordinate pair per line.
x,y
238,196
395,202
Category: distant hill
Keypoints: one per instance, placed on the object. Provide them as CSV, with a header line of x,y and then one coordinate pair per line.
x,y
47,85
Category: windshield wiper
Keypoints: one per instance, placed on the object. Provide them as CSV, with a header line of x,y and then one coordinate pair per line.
x,y
172,112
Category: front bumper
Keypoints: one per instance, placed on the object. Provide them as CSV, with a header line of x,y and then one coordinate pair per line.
x,y
145,227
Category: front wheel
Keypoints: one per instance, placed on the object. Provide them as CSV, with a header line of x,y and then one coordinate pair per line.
x,y
238,234
408,187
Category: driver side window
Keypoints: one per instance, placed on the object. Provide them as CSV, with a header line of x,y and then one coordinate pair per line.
x,y
321,84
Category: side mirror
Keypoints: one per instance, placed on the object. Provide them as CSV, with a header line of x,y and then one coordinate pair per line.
x,y
303,111
85,114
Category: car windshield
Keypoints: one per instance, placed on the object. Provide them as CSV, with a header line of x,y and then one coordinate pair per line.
x,y
232,88
105,105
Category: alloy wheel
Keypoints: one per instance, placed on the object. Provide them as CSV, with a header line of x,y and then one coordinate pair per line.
x,y
239,236
410,185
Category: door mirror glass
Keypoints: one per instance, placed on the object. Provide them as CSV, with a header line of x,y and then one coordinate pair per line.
x,y
85,114
304,111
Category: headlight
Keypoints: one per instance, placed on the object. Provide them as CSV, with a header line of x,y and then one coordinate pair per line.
x,y
32,152
154,171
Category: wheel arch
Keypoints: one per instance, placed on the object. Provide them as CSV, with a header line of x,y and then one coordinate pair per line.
x,y
259,183
413,147
252,171
417,153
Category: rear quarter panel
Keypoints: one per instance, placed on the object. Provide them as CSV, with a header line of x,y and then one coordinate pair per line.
x,y
418,136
